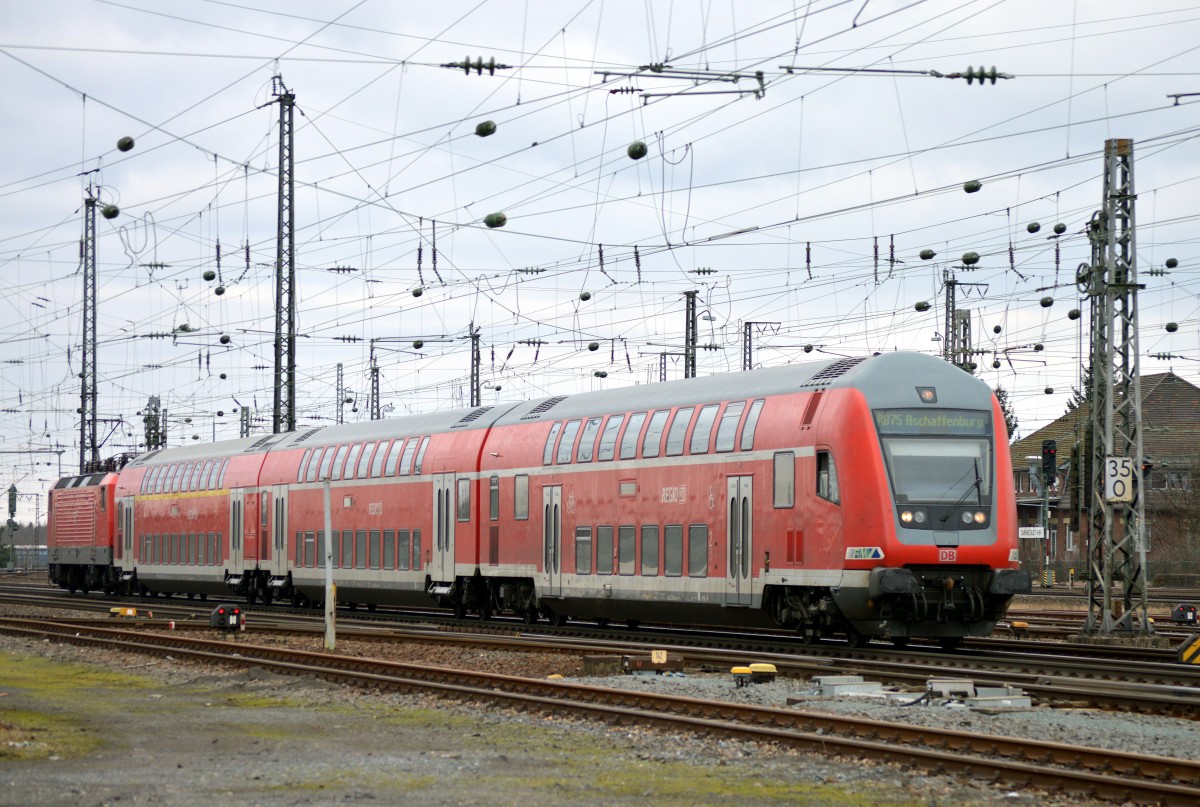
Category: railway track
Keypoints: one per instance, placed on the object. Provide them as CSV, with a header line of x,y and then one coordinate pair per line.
x,y
1099,773
1054,674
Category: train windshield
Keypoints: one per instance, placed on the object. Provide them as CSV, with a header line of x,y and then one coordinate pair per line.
x,y
937,457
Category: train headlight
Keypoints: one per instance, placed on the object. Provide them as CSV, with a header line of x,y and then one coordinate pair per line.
x,y
906,516
911,516
980,517
966,517
919,516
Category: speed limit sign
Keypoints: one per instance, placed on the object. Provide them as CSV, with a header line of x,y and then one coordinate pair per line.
x,y
1118,479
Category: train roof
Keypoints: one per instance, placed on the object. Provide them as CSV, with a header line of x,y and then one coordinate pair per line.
x,y
887,379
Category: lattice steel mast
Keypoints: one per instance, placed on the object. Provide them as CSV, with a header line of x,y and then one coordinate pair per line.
x,y
1116,549
88,450
284,418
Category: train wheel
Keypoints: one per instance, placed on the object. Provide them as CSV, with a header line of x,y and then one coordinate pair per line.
x,y
900,641
810,636
460,610
633,624
557,620
602,622
203,597
485,610
371,607
949,642
856,639
191,595
530,615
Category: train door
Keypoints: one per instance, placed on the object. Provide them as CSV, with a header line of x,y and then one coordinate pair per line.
x,y
443,528
739,534
124,545
250,529
278,529
236,522
552,539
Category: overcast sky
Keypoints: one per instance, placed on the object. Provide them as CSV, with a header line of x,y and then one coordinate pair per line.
x,y
809,194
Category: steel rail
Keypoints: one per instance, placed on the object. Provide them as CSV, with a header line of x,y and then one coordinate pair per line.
x,y
1105,774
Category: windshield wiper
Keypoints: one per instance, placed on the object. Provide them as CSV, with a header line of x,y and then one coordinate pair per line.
x,y
976,486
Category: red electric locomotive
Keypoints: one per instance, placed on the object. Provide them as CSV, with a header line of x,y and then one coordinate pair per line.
x,y
866,497
80,532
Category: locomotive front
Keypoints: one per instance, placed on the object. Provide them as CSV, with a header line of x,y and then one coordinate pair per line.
x,y
946,566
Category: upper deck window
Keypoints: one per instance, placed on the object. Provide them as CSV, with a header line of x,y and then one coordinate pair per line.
x,y
652,444
727,431
608,439
566,446
629,439
678,432
703,430
587,440
751,424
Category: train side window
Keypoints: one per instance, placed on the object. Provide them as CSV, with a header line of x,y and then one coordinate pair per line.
x,y
161,479
374,550
548,451
393,457
698,550
299,547
633,430
199,474
180,471
652,443
583,550
785,479
389,549
727,431
703,430
402,555
266,510
339,461
827,482
181,483
608,440
218,549
406,461
673,550
310,545
751,424
649,550
626,549
380,456
521,497
326,464
420,456
213,473
300,472
364,460
494,498
679,427
416,538
203,561
310,475
347,549
221,474
604,550
566,446
171,469
464,500
360,549
320,559
587,440
146,480
352,461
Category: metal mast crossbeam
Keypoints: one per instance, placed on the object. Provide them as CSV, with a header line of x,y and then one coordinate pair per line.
x,y
1116,549
284,417
88,450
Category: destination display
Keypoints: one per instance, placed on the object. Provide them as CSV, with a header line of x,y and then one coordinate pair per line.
x,y
956,422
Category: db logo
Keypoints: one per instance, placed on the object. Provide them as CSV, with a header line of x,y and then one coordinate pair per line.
x,y
948,555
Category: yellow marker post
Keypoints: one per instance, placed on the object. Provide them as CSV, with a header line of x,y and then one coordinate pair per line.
x,y
1189,651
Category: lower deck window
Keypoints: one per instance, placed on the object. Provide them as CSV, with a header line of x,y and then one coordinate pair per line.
x,y
650,550
604,550
698,550
583,550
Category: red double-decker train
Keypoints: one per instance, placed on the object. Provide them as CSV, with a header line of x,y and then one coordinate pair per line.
x,y
869,497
